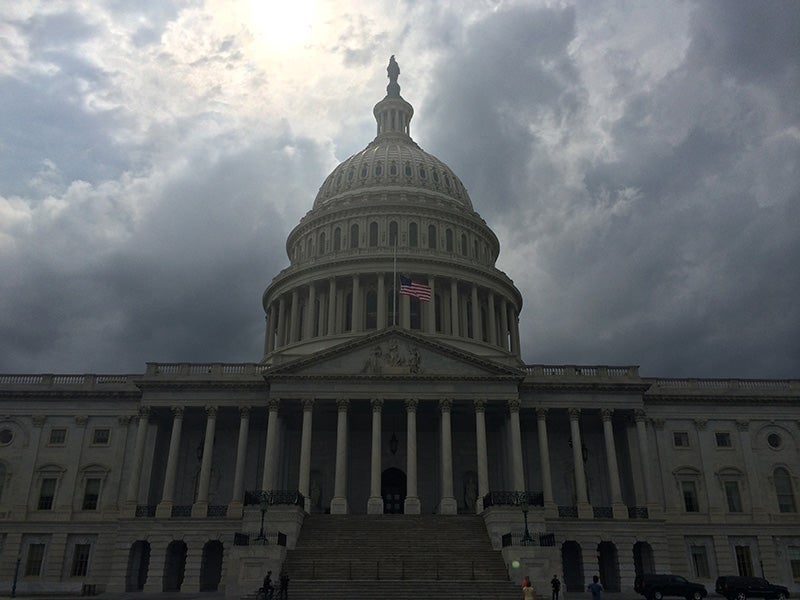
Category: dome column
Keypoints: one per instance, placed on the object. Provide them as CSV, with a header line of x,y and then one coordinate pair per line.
x,y
355,307
294,316
312,300
504,324
448,504
281,324
515,332
332,306
476,314
412,505
430,325
375,502
490,315
381,302
271,328
454,307
304,479
339,501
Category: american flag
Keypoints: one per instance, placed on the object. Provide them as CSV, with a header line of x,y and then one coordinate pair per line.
x,y
409,287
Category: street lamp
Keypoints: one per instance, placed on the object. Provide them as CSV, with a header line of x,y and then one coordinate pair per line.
x,y
527,540
263,502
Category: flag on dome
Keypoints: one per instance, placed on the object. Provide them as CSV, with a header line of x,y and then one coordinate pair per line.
x,y
409,287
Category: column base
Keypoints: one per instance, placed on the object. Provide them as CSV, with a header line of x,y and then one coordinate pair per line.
x,y
164,510
655,511
235,510
127,510
550,510
448,506
620,511
585,510
339,506
411,506
199,510
375,505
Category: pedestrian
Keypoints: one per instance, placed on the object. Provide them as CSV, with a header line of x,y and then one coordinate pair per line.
x,y
595,588
283,590
528,593
555,583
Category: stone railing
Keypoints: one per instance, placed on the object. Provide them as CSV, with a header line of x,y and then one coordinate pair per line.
x,y
740,385
583,371
48,379
506,498
224,370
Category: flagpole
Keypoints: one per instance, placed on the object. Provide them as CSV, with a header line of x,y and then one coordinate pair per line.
x,y
394,284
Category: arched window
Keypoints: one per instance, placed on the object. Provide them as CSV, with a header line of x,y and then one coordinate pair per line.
x,y
463,244
784,490
393,233
354,235
373,234
321,245
337,239
372,310
432,237
412,235
448,236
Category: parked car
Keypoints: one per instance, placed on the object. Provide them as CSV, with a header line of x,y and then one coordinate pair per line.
x,y
657,586
740,588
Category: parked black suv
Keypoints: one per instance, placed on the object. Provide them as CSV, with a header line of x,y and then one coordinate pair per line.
x,y
740,588
655,587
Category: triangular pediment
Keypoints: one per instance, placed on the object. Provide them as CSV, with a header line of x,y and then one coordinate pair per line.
x,y
394,353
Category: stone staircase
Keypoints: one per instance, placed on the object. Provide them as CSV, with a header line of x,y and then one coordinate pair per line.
x,y
403,557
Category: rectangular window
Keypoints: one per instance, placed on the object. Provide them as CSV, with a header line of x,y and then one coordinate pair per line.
x,y
33,564
723,439
794,561
58,437
743,561
733,496
680,439
80,560
47,493
700,561
689,490
100,437
91,494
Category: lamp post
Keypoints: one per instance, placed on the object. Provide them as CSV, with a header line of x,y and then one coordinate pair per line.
x,y
263,502
527,540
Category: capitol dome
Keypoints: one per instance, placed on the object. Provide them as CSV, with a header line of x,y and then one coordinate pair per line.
x,y
391,210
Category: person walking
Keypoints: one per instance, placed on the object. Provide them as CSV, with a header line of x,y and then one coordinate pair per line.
x,y
528,593
555,583
595,588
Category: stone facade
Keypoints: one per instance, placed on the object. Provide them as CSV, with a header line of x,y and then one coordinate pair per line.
x,y
369,401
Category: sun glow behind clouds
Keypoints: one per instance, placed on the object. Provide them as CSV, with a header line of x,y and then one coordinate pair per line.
x,y
281,24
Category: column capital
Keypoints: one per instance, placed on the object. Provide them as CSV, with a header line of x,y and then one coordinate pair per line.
x,y
639,415
342,404
446,404
177,411
211,411
81,420
606,413
125,420
700,424
574,414
658,423
541,413
742,424
244,412
308,404
411,404
376,404
514,404
480,405
144,412
273,404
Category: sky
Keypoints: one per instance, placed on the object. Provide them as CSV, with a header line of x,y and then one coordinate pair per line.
x,y
638,161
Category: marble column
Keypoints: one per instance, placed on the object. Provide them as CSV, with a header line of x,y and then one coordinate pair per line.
x,y
430,321
271,445
517,469
483,455
490,315
375,502
448,504
476,315
544,461
235,506
653,507
294,317
332,306
138,457
164,508
310,312
355,307
504,324
304,478
200,506
281,324
456,330
412,504
382,300
515,348
618,507
753,477
271,328
339,504
582,498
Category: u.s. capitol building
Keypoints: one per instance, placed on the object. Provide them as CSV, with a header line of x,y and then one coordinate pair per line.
x,y
392,394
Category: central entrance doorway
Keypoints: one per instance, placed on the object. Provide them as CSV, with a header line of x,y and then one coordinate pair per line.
x,y
393,490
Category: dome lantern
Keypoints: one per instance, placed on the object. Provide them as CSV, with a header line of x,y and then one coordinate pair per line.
x,y
393,113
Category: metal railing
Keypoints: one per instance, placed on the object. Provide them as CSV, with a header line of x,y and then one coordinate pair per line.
x,y
274,497
508,498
